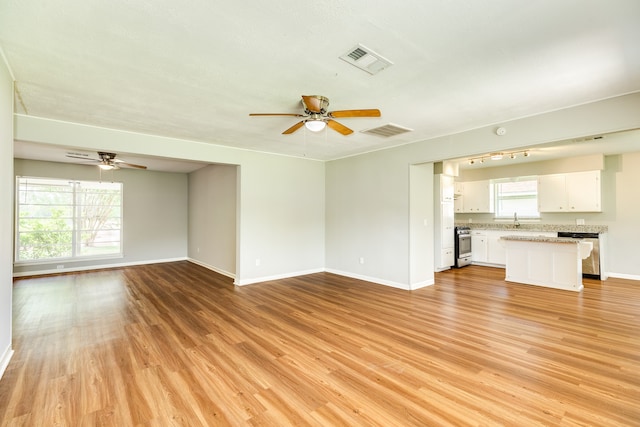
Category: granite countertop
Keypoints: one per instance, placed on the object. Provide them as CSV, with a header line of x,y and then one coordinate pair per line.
x,y
535,227
584,248
544,239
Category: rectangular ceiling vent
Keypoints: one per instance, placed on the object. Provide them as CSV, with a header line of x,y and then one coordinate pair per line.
x,y
366,59
387,130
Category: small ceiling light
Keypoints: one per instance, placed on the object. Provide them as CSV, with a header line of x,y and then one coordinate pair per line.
x,y
106,166
512,156
526,154
471,162
496,156
315,125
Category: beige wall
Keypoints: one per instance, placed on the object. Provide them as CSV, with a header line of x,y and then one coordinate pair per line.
x,y
155,209
212,217
6,213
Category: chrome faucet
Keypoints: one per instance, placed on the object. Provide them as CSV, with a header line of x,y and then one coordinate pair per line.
x,y
515,219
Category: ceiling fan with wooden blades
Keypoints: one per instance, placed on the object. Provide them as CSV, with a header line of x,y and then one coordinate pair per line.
x,y
316,117
106,160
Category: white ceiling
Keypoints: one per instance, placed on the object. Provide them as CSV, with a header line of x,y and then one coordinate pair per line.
x,y
195,70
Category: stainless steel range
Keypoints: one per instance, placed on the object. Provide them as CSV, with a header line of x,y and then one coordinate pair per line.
x,y
462,246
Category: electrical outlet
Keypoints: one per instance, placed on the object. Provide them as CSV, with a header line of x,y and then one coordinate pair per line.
x,y
361,260
257,262
60,266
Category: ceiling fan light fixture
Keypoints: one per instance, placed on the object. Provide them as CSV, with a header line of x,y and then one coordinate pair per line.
x,y
106,166
315,125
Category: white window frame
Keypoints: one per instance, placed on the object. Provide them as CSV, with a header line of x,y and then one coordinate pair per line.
x,y
499,215
75,206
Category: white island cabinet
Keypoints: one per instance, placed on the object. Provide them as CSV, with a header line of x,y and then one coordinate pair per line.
x,y
546,261
488,249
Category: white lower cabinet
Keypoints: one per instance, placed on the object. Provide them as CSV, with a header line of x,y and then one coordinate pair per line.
x,y
488,248
447,257
496,252
478,246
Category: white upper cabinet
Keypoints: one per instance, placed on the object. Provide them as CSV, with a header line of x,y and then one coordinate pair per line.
x,y
446,188
478,197
458,198
570,192
584,192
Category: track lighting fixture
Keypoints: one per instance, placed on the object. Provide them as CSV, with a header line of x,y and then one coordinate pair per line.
x,y
498,156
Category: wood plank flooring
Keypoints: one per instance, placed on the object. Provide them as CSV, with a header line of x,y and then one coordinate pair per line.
x,y
176,344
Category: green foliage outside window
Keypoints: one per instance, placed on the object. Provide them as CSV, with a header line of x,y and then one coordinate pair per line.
x,y
67,219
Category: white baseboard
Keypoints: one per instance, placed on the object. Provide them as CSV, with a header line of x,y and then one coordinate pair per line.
x,y
96,267
624,276
4,361
276,277
212,268
375,280
423,284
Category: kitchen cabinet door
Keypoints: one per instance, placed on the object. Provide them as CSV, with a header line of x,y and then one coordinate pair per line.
x,y
444,238
496,252
458,204
583,191
447,258
447,224
444,187
552,193
570,192
478,197
478,247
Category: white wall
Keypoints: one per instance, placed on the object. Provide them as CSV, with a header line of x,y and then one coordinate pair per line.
x,y
421,232
281,206
154,207
368,217
621,197
212,217
368,196
281,217
6,213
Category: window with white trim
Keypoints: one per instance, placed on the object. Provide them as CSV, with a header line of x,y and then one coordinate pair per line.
x,y
517,195
62,219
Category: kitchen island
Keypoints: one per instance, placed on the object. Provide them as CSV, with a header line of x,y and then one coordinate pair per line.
x,y
553,262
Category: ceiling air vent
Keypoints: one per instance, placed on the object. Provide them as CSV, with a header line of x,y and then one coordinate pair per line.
x,y
366,59
387,130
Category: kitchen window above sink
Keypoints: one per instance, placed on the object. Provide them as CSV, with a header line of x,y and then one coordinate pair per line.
x,y
516,196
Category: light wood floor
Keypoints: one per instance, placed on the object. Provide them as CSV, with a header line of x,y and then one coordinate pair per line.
x,y
175,344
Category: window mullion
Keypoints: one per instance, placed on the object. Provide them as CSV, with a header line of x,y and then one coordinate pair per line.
x,y
76,222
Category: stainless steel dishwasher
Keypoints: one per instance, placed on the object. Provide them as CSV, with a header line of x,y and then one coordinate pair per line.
x,y
591,264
